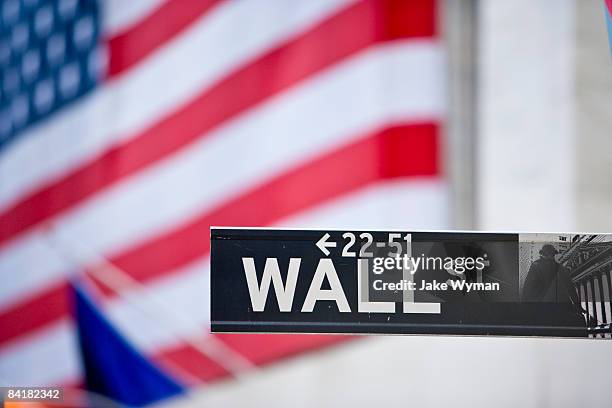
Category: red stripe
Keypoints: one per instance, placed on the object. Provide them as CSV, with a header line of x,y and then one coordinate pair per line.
x,y
137,42
192,361
400,151
265,348
290,63
34,312
259,349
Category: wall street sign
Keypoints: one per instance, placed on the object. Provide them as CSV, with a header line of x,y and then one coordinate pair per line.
x,y
401,282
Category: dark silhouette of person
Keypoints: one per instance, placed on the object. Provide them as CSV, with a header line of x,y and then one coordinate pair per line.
x,y
550,282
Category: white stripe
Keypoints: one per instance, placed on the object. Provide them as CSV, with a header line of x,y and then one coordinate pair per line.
x,y
388,84
397,204
420,203
176,73
184,293
46,357
119,15
16,263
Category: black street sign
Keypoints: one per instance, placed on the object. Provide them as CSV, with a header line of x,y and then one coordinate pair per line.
x,y
399,282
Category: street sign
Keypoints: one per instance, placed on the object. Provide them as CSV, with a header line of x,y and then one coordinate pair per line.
x,y
401,282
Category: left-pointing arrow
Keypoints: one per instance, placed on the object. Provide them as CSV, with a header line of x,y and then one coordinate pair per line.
x,y
323,244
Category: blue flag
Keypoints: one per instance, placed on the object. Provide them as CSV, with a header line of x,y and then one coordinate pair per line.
x,y
113,367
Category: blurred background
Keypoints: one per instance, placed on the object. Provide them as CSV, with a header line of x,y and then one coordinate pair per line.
x,y
128,128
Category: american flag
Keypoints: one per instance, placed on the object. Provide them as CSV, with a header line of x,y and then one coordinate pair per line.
x,y
128,128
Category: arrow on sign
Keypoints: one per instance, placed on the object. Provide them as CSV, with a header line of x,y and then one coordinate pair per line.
x,y
323,244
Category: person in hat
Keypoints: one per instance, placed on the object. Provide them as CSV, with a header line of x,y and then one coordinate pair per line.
x,y
549,281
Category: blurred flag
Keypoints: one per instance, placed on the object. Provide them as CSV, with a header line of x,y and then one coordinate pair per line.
x,y
112,366
132,127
